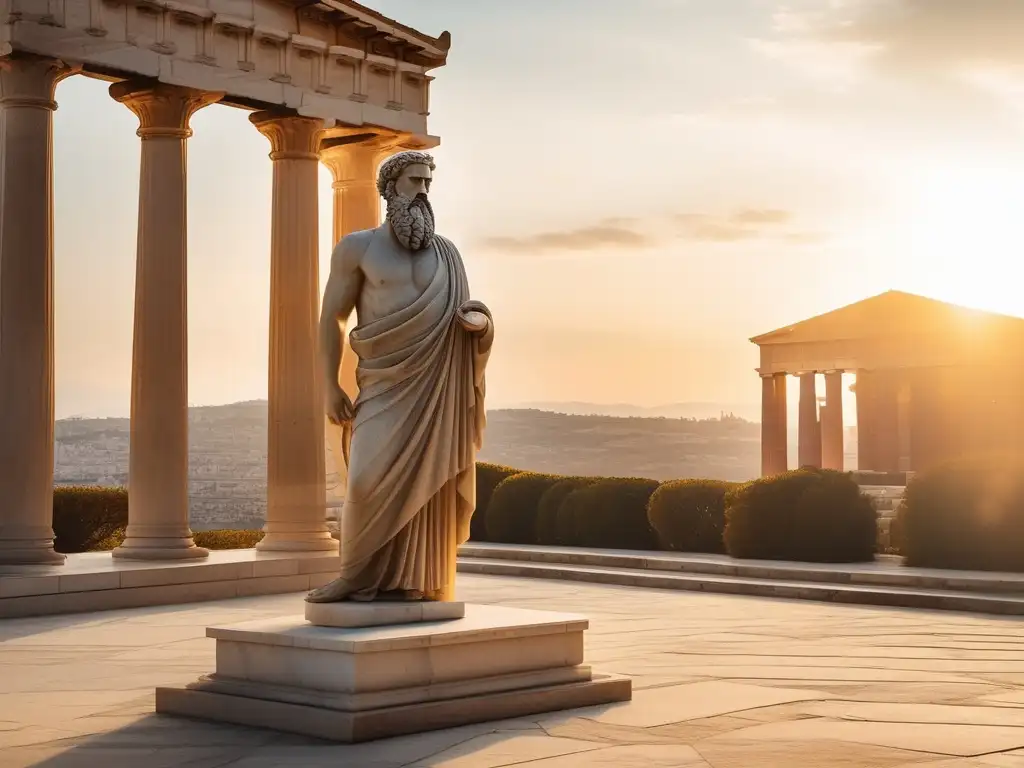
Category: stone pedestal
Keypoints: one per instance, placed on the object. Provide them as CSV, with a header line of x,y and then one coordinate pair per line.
x,y
354,684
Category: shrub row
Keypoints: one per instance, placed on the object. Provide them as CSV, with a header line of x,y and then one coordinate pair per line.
x,y
810,515
967,514
87,518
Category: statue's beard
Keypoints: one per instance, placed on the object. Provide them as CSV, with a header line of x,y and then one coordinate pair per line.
x,y
412,220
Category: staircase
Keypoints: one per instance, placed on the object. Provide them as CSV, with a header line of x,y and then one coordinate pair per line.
x,y
884,582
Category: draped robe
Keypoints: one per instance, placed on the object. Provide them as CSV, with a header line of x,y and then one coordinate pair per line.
x,y
411,448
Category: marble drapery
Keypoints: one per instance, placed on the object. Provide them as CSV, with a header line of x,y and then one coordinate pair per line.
x,y
411,449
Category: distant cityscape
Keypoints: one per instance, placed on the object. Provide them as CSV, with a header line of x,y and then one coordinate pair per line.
x,y
228,445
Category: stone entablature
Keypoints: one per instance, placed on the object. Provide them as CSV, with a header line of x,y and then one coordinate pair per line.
x,y
333,60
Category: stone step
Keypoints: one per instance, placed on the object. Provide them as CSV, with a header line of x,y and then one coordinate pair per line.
x,y
886,571
353,684
891,596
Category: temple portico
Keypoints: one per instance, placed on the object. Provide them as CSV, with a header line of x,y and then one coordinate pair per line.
x,y
329,82
933,382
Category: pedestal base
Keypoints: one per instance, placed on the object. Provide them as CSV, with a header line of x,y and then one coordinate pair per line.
x,y
360,684
377,614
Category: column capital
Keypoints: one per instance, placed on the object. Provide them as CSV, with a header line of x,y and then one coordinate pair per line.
x,y
27,80
163,110
354,164
292,137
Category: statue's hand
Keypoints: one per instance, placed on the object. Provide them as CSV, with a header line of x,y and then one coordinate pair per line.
x,y
339,407
474,316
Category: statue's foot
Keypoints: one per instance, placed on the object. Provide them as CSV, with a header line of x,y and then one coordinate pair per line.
x,y
335,592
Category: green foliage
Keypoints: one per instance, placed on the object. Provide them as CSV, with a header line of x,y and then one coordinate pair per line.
x,y
610,513
554,528
512,512
808,515
968,514
689,515
227,539
488,477
84,516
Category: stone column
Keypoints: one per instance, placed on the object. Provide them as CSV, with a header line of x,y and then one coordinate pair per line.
x,y
158,526
296,471
27,86
832,422
782,423
865,421
810,429
356,207
773,424
769,427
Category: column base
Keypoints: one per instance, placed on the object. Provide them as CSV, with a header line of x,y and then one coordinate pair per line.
x,y
28,545
291,541
31,556
159,549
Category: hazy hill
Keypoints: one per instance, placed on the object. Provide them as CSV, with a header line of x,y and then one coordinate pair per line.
x,y
660,448
709,410
228,443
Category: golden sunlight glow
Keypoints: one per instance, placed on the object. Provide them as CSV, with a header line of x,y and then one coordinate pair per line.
x,y
966,237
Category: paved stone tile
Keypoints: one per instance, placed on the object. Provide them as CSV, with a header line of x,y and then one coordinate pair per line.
x,y
508,749
806,754
674,704
631,756
938,714
721,681
940,739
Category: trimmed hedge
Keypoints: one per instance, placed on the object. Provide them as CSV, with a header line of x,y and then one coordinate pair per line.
x,y
488,477
968,514
512,512
84,516
222,538
553,528
689,515
610,513
809,515
227,538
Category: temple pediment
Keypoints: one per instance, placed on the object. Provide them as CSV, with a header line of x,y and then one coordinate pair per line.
x,y
892,314
333,59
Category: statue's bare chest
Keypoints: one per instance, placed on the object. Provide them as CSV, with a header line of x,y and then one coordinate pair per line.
x,y
393,276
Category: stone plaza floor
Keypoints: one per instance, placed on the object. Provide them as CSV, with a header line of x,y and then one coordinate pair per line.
x,y
720,681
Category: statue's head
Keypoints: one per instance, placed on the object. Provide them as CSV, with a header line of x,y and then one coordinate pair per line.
x,y
404,182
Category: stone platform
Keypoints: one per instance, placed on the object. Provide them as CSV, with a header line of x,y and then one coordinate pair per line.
x,y
359,683
95,581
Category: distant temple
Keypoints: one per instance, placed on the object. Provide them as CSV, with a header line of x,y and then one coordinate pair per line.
x,y
934,382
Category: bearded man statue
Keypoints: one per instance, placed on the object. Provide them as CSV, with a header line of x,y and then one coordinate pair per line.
x,y
411,437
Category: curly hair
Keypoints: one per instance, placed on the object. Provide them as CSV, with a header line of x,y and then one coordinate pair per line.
x,y
392,168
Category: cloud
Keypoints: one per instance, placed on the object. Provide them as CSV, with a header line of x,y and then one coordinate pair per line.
x,y
745,224
923,38
609,233
761,216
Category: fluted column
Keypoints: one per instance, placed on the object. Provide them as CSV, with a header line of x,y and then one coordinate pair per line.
x,y
158,525
296,472
810,429
832,449
356,207
27,86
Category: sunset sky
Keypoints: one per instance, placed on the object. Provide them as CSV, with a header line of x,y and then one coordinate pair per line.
x,y
637,188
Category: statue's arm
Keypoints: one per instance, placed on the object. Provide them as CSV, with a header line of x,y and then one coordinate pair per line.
x,y
340,296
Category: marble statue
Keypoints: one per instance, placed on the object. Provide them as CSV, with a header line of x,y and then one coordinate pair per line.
x,y
411,437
